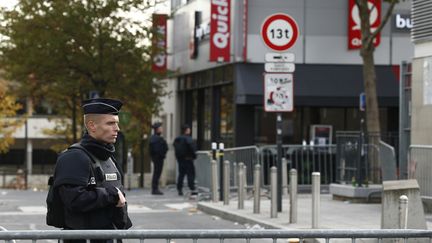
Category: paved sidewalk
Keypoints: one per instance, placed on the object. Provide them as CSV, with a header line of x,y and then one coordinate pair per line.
x,y
334,214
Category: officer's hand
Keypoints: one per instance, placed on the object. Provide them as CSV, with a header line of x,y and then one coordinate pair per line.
x,y
122,200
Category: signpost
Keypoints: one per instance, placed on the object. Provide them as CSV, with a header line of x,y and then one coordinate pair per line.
x,y
279,33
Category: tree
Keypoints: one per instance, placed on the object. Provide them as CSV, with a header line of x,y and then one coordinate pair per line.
x,y
60,50
8,122
369,73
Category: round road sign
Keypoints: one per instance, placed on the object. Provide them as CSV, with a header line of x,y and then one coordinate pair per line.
x,y
279,32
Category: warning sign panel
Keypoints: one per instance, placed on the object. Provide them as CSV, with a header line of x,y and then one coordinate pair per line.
x,y
278,92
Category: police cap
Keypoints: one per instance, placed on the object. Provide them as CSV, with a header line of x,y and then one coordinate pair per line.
x,y
156,125
101,106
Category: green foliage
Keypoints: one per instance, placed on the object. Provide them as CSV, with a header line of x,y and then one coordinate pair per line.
x,y
8,123
60,50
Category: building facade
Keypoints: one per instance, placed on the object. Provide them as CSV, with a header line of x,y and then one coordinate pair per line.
x,y
422,73
223,99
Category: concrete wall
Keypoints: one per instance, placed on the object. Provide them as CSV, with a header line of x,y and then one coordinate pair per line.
x,y
171,127
421,95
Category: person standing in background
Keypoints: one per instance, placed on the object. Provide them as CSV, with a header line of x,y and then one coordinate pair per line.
x,y
158,150
185,152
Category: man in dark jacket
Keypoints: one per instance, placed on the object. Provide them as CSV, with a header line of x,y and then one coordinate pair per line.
x,y
185,151
158,150
88,180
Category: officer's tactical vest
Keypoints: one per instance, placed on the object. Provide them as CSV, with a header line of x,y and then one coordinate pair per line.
x,y
104,172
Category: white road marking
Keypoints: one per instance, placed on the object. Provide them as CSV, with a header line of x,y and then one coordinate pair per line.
x,y
33,209
179,206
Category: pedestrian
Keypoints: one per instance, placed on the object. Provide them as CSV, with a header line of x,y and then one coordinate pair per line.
x,y
158,150
88,178
185,152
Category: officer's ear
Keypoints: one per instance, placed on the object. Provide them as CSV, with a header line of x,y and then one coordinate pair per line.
x,y
90,122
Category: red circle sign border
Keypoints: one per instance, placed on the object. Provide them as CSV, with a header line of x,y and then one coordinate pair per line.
x,y
272,18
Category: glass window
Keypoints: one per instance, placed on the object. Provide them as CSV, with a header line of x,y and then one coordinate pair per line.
x,y
208,99
227,116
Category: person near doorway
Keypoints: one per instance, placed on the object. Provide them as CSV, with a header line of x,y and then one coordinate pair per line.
x,y
185,152
158,151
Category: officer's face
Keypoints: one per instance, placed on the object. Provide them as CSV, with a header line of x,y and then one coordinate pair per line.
x,y
106,128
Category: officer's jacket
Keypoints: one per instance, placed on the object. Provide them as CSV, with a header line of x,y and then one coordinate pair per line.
x,y
158,147
90,194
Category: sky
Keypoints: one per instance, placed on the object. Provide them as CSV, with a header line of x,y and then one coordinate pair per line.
x,y
8,3
162,8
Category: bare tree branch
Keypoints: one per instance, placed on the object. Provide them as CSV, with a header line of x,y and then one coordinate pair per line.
x,y
383,22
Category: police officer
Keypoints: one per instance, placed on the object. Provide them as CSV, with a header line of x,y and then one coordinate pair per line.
x,y
185,151
158,150
87,176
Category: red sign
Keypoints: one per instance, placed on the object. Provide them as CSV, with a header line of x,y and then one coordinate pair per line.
x,y
354,23
220,31
279,32
159,42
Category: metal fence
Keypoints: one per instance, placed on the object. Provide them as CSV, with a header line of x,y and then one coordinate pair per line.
x,y
219,235
358,158
203,170
304,158
420,168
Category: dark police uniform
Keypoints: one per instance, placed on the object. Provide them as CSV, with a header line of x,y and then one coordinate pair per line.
x,y
186,162
158,150
88,180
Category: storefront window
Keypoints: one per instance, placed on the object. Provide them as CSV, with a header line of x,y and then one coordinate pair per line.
x,y
227,116
208,98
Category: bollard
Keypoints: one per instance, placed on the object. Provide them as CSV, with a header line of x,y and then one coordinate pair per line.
x,y
257,188
284,177
214,181
240,189
245,180
315,199
221,179
226,184
235,173
293,196
403,212
273,192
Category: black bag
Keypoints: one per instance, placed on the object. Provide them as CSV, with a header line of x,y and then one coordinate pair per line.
x,y
55,212
55,208
181,147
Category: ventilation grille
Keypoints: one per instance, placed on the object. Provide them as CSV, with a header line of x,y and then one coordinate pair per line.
x,y
422,20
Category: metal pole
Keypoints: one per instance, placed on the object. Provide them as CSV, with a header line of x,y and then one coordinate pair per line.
x,y
221,178
315,199
285,176
245,180
240,190
257,188
129,168
273,192
403,212
226,184
293,196
214,150
214,181
235,173
279,161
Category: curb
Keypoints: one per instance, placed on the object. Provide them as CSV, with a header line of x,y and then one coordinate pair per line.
x,y
235,217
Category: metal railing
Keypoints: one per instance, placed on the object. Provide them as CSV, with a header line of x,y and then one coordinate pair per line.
x,y
420,168
221,235
305,159
203,169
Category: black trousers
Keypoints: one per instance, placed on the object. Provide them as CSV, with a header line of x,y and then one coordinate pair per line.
x,y
157,171
186,167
